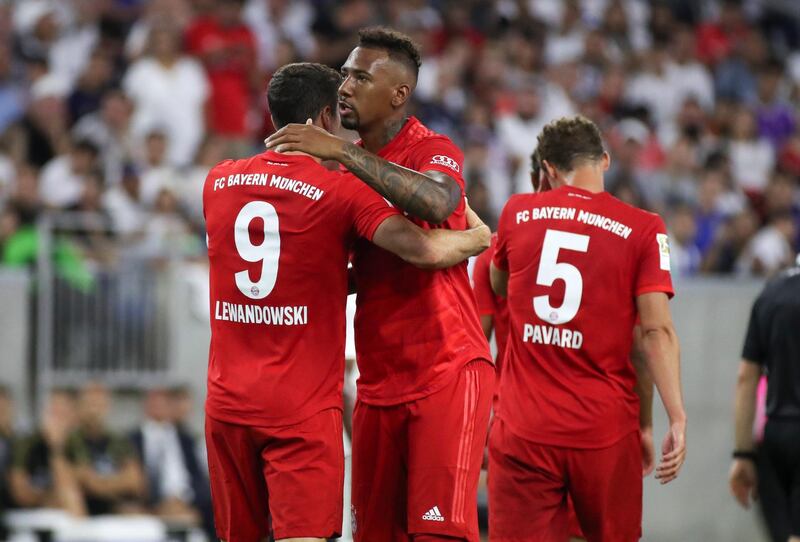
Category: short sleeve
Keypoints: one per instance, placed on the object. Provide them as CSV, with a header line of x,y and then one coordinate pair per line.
x,y
500,257
439,154
367,208
754,347
653,273
482,283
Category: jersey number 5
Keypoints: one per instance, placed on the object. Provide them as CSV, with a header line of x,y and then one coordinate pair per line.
x,y
268,252
550,270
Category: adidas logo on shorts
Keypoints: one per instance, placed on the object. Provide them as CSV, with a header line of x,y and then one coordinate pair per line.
x,y
433,514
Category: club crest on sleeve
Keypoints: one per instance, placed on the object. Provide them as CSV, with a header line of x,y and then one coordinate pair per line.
x,y
446,161
663,250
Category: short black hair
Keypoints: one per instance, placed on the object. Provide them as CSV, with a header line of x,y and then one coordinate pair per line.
x,y
399,46
569,142
301,91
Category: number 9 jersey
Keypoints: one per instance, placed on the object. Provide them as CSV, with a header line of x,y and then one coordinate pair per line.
x,y
279,230
576,260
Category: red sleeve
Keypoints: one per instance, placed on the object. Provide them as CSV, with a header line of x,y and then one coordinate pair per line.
x,y
482,283
653,273
500,258
439,154
367,208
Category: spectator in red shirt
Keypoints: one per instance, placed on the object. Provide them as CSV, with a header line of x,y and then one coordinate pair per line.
x,y
227,48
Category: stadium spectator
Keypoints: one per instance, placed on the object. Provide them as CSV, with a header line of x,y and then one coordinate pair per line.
x,y
62,178
12,91
110,130
685,257
106,467
730,242
169,92
770,250
42,133
124,203
156,172
752,157
93,83
169,466
775,115
227,48
41,475
210,153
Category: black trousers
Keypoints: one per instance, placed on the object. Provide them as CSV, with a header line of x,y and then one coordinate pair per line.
x,y
779,478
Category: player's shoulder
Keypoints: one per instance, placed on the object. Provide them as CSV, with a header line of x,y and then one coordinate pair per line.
x,y
418,134
635,214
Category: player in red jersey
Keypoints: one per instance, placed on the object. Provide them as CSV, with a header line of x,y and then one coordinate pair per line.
x,y
576,265
427,380
279,229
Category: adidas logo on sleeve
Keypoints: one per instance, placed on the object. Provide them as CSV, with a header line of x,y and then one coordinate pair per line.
x,y
433,515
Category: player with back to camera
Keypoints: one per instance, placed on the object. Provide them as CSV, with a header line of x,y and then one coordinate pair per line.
x,y
577,265
280,227
427,379
493,311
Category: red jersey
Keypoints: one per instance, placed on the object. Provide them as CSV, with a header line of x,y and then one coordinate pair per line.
x,y
489,303
576,262
228,54
279,234
414,328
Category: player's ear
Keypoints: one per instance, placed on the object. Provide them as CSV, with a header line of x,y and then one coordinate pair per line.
x,y
328,119
606,160
401,95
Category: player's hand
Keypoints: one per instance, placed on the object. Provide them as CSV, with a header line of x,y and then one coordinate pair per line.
x,y
673,453
306,138
473,220
648,452
743,479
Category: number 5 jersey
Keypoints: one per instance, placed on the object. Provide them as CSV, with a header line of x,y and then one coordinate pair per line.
x,y
279,231
576,261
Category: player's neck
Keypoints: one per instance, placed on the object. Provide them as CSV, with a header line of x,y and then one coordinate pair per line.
x,y
588,183
298,153
587,177
377,137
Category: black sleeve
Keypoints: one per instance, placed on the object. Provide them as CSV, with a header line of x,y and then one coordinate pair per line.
x,y
754,345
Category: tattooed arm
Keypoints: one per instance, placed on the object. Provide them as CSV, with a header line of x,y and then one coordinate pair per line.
x,y
429,195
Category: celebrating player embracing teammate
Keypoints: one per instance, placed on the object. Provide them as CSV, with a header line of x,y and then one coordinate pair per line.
x,y
279,231
576,265
427,381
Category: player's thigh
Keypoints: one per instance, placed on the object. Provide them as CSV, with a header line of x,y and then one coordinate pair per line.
x,y
447,435
379,481
238,489
606,488
304,470
527,490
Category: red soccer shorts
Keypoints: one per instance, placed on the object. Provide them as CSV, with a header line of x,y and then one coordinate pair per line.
x,y
416,465
529,484
293,476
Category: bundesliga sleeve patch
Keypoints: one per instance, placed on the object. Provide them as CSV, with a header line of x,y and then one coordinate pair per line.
x,y
663,250
446,161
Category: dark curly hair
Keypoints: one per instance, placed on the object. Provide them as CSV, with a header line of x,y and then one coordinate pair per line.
x,y
399,46
569,142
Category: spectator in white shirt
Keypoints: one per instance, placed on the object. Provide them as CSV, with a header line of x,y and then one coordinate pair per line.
x,y
752,158
770,250
61,179
110,130
169,91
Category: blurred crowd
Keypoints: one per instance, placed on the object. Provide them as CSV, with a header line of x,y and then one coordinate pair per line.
x,y
74,460
118,108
